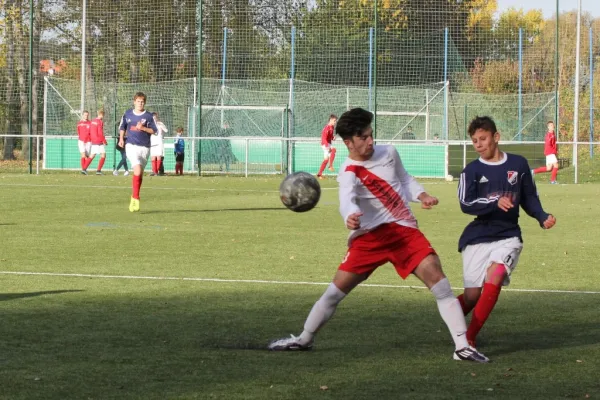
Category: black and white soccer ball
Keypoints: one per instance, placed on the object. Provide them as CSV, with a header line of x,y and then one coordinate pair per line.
x,y
300,191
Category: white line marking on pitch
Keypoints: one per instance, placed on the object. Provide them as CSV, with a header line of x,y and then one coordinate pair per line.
x,y
174,278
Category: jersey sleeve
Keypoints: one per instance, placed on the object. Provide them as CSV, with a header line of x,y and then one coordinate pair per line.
x,y
123,124
152,125
470,201
348,195
530,202
411,188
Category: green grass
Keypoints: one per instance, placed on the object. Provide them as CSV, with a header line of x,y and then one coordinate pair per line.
x,y
69,337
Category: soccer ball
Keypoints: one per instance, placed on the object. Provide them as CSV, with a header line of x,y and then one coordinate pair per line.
x,y
449,178
300,191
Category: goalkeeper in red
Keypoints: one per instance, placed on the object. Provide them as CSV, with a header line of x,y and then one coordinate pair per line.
x,y
374,191
492,188
327,136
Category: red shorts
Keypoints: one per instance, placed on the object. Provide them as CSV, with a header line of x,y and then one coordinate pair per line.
x,y
403,246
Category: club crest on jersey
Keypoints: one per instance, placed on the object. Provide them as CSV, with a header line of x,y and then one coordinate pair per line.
x,y
512,177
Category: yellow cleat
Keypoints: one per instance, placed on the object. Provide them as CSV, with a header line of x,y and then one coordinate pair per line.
x,y
134,205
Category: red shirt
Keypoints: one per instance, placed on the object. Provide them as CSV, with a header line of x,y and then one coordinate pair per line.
x,y
550,145
327,135
97,131
83,130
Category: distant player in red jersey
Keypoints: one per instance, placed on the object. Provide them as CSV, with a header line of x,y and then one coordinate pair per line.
x,y
550,151
374,193
98,142
327,136
84,143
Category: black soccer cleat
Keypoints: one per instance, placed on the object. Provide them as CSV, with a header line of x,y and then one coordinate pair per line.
x,y
470,354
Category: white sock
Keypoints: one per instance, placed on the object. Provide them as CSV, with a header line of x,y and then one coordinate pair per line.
x,y
321,312
451,312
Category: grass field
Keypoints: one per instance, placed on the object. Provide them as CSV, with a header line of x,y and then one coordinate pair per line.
x,y
180,300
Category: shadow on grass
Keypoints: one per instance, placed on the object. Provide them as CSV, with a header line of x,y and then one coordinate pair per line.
x,y
214,210
7,223
180,340
15,296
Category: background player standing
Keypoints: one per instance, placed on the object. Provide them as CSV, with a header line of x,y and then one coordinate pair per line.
x,y
374,193
492,188
157,145
98,142
327,136
179,151
139,125
84,143
551,152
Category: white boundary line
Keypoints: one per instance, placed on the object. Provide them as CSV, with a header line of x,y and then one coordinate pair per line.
x,y
269,282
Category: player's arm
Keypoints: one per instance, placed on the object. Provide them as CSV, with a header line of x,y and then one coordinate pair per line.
x,y
151,129
470,201
412,189
530,202
122,129
349,200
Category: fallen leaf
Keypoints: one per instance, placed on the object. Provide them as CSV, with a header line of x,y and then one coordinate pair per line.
x,y
473,374
509,369
323,387
292,258
579,361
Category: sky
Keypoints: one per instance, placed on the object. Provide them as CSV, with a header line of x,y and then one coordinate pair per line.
x,y
548,7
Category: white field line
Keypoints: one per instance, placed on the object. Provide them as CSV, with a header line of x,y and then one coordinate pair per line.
x,y
268,282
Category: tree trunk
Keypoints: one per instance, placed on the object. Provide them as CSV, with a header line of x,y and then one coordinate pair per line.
x,y
9,142
21,71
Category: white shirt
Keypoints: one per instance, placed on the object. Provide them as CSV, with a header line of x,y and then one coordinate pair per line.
x,y
157,138
380,188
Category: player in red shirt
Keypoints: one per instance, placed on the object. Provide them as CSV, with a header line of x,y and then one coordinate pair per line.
x,y
84,143
550,151
327,136
98,142
374,194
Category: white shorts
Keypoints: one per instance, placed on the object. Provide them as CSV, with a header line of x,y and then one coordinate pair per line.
x,y
157,151
137,155
551,159
326,151
477,258
84,147
98,149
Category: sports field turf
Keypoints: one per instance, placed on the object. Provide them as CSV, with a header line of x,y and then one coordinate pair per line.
x,y
179,300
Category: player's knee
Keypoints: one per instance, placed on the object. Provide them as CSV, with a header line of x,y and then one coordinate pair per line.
x,y
442,290
496,274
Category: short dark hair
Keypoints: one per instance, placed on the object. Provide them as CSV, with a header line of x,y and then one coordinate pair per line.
x,y
409,127
353,123
485,123
550,122
179,129
155,114
137,95
333,116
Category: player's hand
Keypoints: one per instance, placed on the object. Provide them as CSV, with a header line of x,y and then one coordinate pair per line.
x,y
121,143
139,126
353,221
549,222
427,201
505,203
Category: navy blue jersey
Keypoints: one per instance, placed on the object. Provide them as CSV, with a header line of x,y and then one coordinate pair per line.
x,y
129,122
482,184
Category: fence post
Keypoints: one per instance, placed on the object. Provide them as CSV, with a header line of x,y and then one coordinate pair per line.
x,y
520,83
371,69
247,143
465,137
591,94
199,82
445,121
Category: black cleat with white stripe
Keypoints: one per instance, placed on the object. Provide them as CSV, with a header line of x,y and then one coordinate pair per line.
x,y
470,354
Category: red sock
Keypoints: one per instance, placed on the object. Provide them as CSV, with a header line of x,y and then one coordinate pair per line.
x,y
137,184
554,173
101,164
88,161
540,170
323,165
83,162
331,157
158,163
483,309
466,309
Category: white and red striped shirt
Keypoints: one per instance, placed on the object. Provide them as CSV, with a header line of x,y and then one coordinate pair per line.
x,y
380,188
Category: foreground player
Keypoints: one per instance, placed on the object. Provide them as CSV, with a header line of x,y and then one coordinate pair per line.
x,y
550,151
98,142
492,188
374,193
327,136
139,125
84,143
157,145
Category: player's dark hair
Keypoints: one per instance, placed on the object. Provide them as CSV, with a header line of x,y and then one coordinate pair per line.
x,y
137,95
485,123
179,129
549,122
353,123
85,111
155,114
333,116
